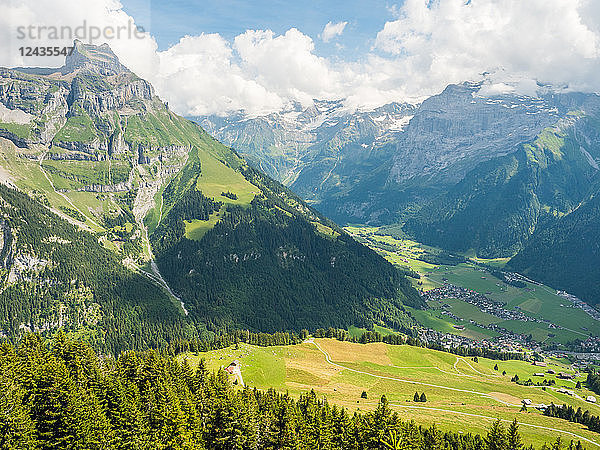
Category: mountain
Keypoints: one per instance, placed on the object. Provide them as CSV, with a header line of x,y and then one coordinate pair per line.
x,y
172,232
497,207
469,171
566,254
313,150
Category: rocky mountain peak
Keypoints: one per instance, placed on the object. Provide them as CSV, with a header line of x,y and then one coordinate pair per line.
x,y
98,59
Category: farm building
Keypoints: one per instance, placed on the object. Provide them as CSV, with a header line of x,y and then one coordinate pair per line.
x,y
539,363
526,401
564,376
565,391
539,374
591,399
233,367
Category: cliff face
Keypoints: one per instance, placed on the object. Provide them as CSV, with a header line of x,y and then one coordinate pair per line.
x,y
454,131
315,149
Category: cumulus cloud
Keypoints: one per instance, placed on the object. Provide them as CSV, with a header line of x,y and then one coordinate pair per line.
x,y
426,46
332,30
36,23
553,41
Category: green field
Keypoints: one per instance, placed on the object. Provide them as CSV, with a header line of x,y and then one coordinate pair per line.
x,y
196,229
216,178
462,395
536,301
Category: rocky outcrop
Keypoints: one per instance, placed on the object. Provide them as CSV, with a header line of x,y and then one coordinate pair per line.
x,y
96,148
92,58
119,187
127,87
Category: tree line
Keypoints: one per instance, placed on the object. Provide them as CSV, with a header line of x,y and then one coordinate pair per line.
x,y
407,337
61,394
574,415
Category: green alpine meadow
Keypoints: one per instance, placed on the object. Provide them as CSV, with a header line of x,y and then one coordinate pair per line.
x,y
277,225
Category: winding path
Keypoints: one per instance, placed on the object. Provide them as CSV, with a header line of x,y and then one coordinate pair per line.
x,y
576,436
328,359
402,380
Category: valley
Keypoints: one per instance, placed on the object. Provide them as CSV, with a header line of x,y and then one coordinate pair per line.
x,y
300,226
465,296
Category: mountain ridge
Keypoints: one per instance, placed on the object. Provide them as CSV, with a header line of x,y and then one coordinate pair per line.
x,y
97,147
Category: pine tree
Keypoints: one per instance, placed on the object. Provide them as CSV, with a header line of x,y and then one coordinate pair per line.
x,y
423,398
433,438
557,445
496,437
514,440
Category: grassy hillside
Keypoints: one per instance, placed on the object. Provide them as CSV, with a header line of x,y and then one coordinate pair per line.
x,y
462,395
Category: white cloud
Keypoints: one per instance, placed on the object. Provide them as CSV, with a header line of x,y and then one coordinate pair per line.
x,y
332,30
451,40
427,46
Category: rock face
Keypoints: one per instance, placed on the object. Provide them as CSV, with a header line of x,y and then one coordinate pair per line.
x,y
92,58
454,131
311,149
91,109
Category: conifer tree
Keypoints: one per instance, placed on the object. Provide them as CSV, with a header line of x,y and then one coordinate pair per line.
x,y
433,438
514,440
496,437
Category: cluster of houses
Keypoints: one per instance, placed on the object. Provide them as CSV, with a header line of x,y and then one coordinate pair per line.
x,y
578,303
483,303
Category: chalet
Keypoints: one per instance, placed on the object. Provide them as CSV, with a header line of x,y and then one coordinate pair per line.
x,y
565,391
539,374
233,367
565,376
591,399
550,371
526,401
539,363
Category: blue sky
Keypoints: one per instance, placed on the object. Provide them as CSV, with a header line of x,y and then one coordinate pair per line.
x,y
168,21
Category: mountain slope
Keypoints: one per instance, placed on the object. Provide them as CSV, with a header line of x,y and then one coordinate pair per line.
x,y
275,264
315,150
56,276
497,206
217,243
566,255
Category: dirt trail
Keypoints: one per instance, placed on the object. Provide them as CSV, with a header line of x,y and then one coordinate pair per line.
x,y
576,436
401,380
